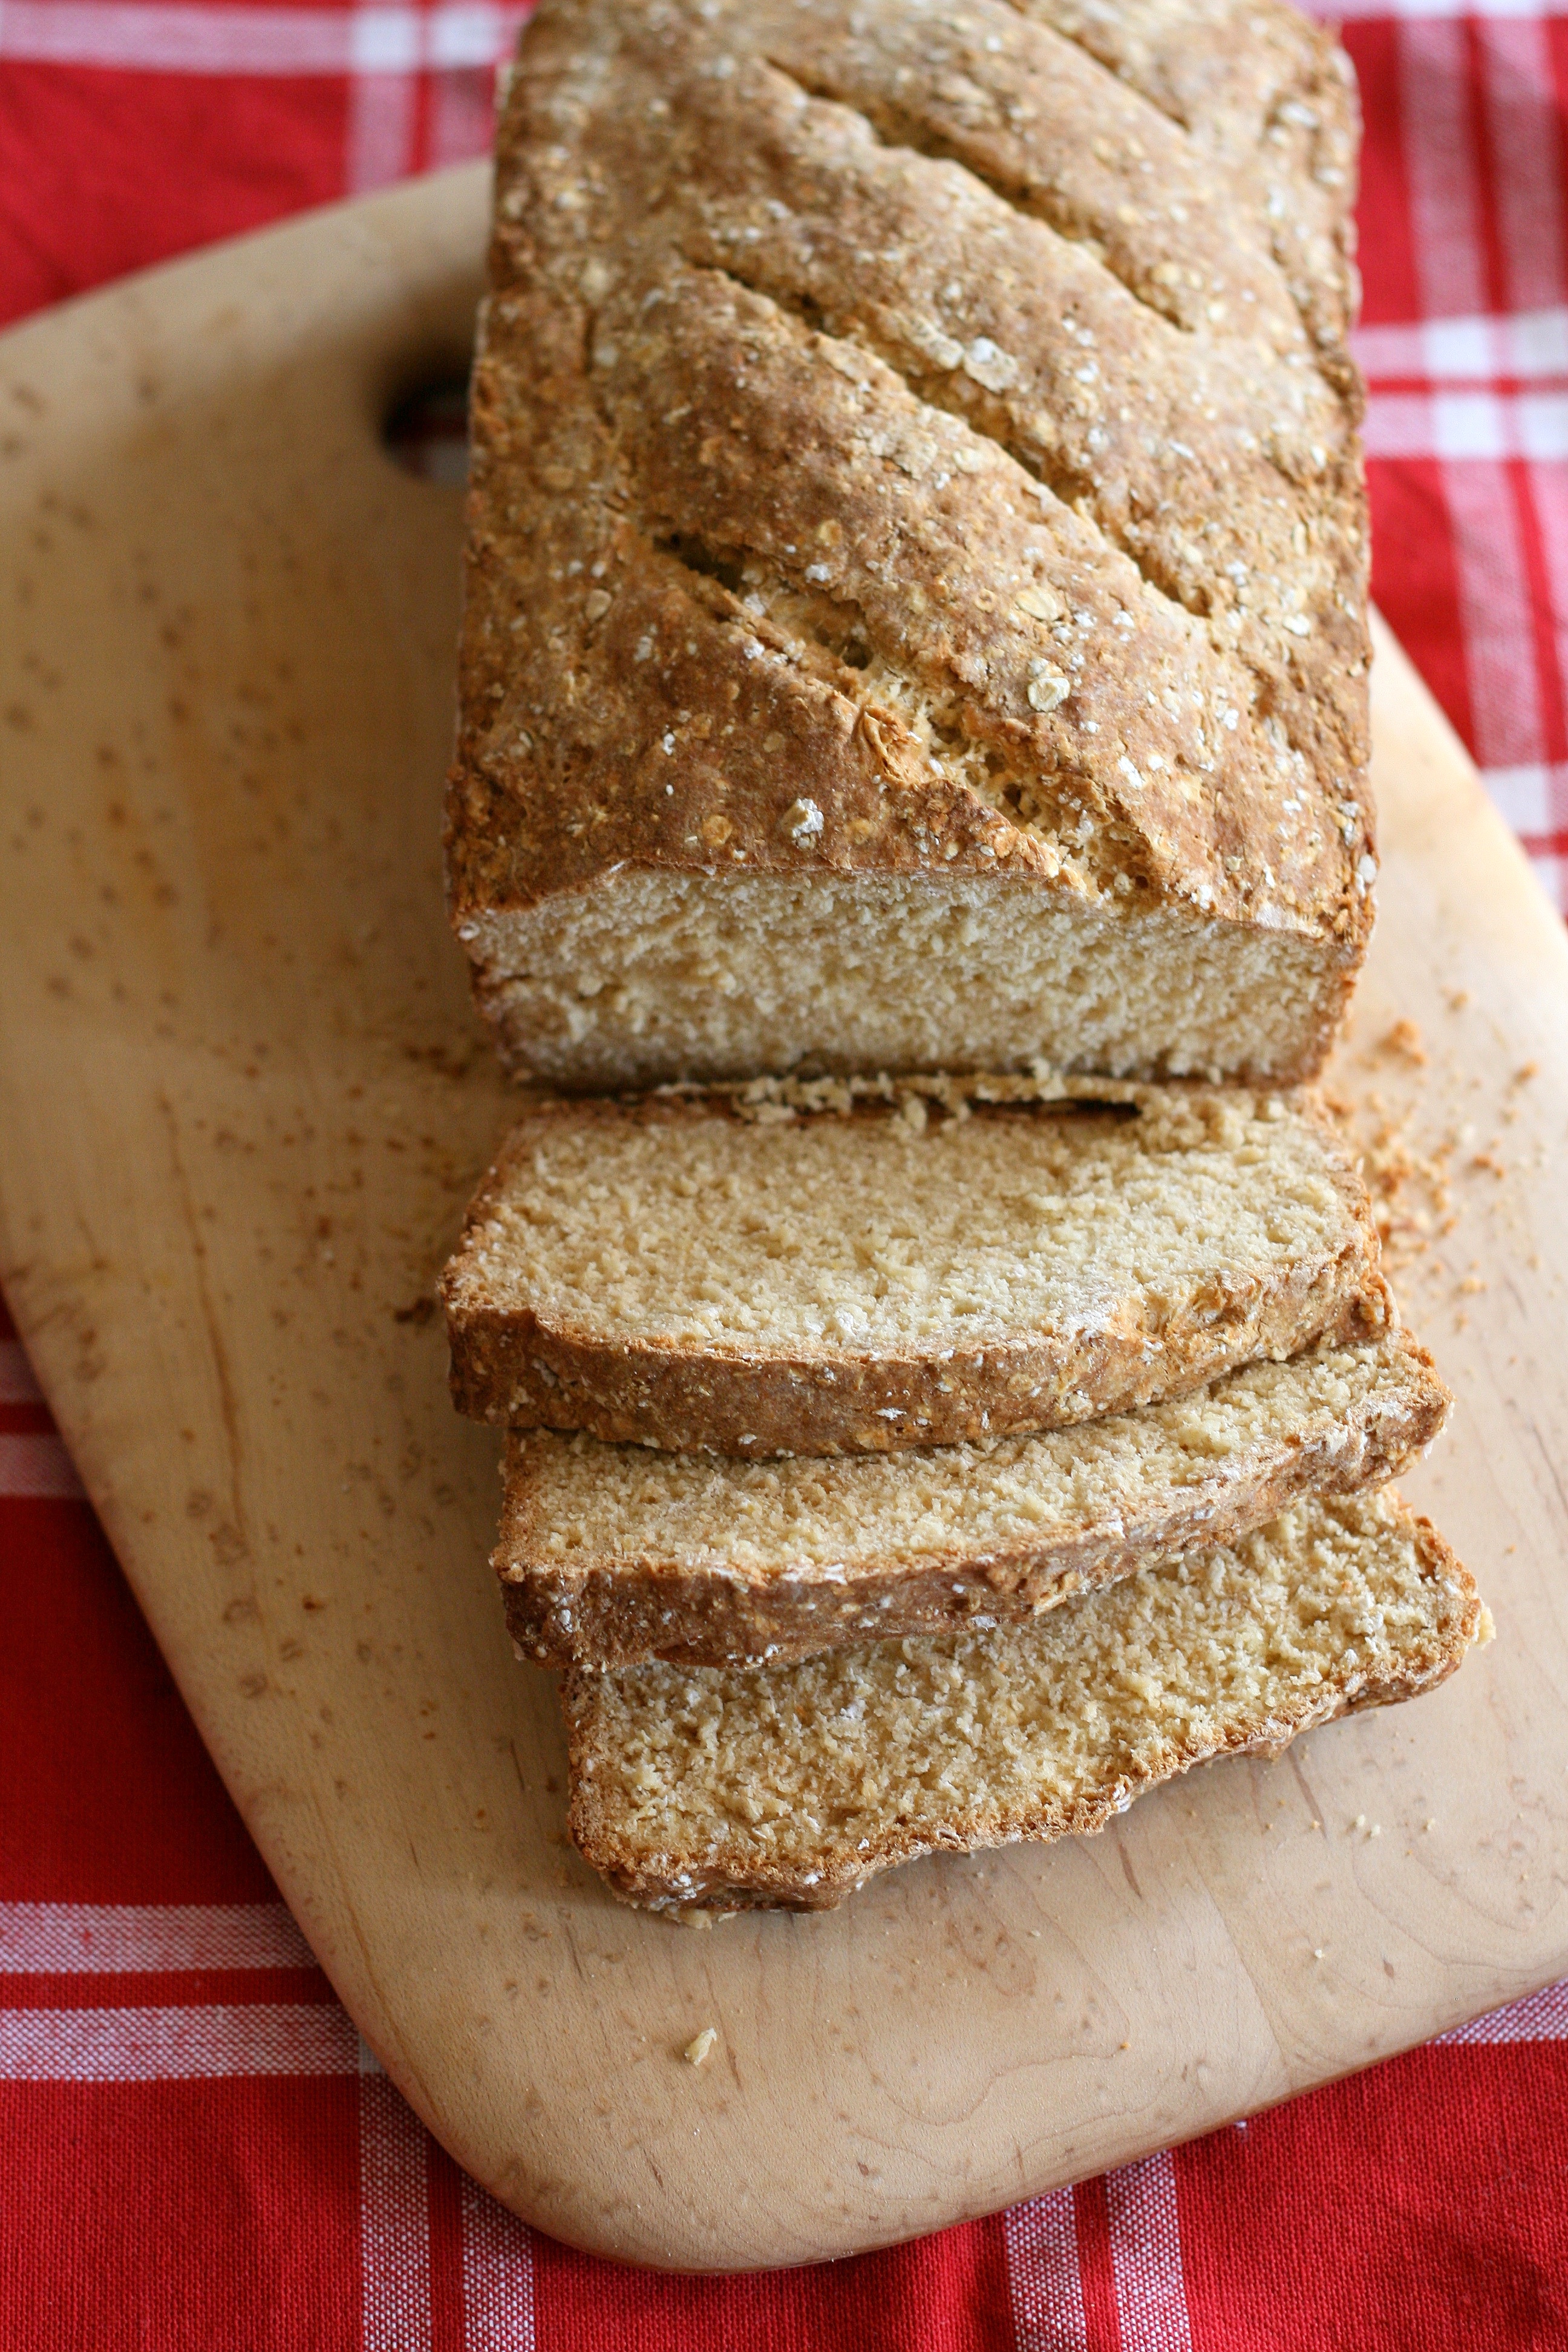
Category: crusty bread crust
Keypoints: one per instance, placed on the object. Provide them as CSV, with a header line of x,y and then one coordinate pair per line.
x,y
516,1364
737,1880
870,479
616,1609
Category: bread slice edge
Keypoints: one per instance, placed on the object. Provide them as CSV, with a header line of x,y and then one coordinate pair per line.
x,y
617,1610
735,1880
519,1367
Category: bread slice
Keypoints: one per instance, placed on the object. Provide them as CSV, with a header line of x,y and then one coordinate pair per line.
x,y
612,1554
720,1786
679,1272
916,567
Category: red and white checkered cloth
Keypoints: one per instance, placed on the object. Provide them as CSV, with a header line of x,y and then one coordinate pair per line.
x,y
196,2153
1464,251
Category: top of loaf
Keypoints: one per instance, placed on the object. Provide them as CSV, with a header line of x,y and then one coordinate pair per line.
x,y
915,439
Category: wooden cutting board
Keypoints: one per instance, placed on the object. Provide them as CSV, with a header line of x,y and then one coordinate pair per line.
x,y
243,1101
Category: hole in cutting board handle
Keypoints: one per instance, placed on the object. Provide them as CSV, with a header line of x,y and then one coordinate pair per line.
x,y
426,430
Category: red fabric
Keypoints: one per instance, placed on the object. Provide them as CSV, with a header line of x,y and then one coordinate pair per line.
x,y
193,2150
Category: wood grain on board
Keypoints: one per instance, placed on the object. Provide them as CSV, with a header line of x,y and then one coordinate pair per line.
x,y
243,1101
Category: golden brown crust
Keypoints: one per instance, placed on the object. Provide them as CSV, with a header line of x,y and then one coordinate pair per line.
x,y
1272,99
853,433
516,1366
741,1882
611,1611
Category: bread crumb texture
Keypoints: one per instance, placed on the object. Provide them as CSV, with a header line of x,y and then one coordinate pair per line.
x,y
610,1554
793,1784
657,976
916,532
672,1272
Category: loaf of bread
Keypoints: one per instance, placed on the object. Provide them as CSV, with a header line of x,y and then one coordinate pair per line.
x,y
916,571
697,1273
612,1554
721,1787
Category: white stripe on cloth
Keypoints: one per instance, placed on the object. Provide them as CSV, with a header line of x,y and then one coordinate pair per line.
x,y
497,2277
1534,801
1467,350
381,126
1440,162
1146,2256
17,1385
1520,99
383,98
175,2045
1496,616
1473,427
36,1466
1550,867
460,122
1547,808
183,37
1543,2017
394,2215
1043,2274
1526,152
148,1938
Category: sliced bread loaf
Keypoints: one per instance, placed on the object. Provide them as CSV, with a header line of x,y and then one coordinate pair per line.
x,y
916,570
720,1786
612,1554
675,1273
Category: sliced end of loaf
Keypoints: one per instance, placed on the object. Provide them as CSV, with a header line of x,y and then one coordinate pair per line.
x,y
753,1278
652,977
723,1787
611,1555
